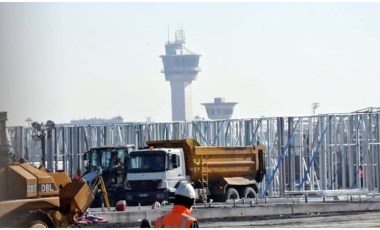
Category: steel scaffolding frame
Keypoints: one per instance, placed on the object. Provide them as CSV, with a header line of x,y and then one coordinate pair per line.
x,y
320,152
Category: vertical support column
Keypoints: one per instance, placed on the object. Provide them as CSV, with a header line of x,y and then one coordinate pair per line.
x,y
302,151
280,149
268,156
98,134
176,131
342,152
55,150
291,167
323,158
71,151
357,157
105,135
371,166
248,124
76,149
350,150
137,134
62,150
26,145
378,150
43,150
4,147
49,149
81,147
330,158
20,143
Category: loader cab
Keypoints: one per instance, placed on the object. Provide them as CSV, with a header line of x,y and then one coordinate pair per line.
x,y
110,162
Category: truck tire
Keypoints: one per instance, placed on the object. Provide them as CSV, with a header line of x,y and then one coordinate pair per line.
x,y
203,198
232,194
249,192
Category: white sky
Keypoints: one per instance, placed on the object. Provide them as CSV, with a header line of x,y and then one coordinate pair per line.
x,y
65,61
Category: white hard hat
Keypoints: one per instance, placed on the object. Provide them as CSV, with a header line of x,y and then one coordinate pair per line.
x,y
185,189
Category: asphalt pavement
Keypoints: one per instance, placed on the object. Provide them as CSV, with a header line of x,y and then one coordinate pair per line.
x,y
315,220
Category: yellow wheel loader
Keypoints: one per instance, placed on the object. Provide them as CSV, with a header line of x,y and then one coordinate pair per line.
x,y
31,197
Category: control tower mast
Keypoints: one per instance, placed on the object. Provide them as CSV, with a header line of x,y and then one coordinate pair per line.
x,y
180,69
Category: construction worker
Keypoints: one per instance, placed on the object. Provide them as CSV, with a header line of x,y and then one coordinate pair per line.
x,y
361,175
179,217
78,175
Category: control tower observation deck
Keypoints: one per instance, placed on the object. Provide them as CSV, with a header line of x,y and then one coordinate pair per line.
x,y
219,109
180,68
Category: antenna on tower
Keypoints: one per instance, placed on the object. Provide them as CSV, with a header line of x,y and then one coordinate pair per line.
x,y
314,106
180,39
168,35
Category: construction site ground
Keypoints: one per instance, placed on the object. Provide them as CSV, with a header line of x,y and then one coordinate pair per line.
x,y
345,211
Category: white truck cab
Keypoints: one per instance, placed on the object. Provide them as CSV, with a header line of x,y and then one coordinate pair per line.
x,y
154,174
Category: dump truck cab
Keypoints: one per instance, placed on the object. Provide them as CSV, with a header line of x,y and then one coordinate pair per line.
x,y
153,174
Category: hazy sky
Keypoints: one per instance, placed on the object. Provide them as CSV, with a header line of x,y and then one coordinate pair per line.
x,y
64,61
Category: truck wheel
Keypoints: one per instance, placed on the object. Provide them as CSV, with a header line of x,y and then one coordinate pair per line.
x,y
203,198
249,193
232,194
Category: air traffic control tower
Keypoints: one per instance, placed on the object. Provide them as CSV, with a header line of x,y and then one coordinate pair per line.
x,y
219,109
180,68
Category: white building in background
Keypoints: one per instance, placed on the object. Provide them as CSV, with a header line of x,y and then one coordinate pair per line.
x,y
219,109
180,69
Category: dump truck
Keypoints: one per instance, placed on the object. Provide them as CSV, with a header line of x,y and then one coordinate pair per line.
x,y
33,197
218,173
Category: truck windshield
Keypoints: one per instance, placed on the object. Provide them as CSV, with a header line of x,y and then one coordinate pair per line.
x,y
147,161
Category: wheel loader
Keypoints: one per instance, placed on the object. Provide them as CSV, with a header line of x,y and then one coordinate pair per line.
x,y
32,197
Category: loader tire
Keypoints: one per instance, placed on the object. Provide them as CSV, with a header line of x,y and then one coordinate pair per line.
x,y
35,219
249,193
232,194
38,224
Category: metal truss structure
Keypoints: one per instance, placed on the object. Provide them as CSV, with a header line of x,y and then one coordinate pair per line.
x,y
320,152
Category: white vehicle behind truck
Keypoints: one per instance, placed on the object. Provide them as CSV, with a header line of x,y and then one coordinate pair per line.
x,y
220,173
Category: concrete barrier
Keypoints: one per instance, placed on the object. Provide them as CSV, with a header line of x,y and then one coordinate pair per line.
x,y
243,211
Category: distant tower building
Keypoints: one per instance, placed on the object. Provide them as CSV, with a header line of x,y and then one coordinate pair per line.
x,y
180,68
219,109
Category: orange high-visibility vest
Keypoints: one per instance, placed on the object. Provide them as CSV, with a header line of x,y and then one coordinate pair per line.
x,y
361,173
77,177
179,217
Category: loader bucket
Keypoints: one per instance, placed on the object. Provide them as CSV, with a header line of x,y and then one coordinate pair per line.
x,y
75,198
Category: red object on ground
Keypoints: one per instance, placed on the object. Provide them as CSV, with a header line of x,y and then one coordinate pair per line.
x,y
121,205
